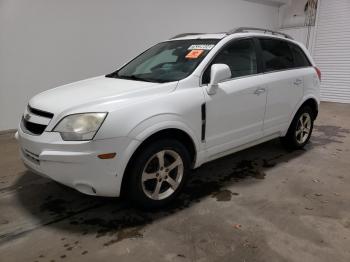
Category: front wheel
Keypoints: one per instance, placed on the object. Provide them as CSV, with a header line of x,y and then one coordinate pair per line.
x,y
300,129
158,173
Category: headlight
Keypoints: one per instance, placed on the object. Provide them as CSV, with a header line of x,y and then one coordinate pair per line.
x,y
80,126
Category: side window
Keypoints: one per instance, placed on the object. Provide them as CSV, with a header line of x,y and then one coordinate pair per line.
x,y
240,56
276,55
300,59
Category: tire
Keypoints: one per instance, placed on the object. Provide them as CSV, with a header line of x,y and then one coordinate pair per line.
x,y
153,182
298,136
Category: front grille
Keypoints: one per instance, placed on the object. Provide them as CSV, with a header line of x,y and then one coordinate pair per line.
x,y
33,128
35,121
40,112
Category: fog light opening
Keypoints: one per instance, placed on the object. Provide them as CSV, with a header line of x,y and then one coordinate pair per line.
x,y
85,188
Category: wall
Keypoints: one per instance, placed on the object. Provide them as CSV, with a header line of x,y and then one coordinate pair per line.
x,y
292,14
46,43
292,21
303,35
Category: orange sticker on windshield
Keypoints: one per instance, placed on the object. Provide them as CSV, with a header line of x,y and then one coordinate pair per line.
x,y
193,54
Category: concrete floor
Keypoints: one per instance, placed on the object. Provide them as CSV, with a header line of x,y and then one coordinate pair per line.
x,y
262,204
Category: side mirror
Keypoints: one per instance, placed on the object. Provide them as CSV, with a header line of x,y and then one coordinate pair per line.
x,y
218,73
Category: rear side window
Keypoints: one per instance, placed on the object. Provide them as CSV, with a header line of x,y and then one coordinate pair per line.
x,y
276,54
239,55
300,59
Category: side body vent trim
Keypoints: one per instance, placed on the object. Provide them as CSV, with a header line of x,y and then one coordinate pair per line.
x,y
204,119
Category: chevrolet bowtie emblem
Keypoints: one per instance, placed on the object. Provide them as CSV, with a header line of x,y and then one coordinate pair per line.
x,y
27,116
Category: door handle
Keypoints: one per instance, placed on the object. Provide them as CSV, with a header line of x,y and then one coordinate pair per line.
x,y
298,82
259,91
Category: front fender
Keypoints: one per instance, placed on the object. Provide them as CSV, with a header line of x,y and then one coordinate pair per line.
x,y
151,126
160,122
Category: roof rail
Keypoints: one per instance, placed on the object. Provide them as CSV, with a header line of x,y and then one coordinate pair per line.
x,y
246,29
186,34
240,30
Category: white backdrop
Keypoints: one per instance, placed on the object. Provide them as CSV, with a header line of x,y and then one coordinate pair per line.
x,y
46,43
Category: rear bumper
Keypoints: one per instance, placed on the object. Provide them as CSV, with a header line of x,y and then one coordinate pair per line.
x,y
75,163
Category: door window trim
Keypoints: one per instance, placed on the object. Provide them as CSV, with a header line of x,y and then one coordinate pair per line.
x,y
289,45
260,59
259,62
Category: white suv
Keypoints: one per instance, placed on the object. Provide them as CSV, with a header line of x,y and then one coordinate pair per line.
x,y
179,104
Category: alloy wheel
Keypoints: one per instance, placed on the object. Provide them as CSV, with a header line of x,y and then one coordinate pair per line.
x,y
162,174
303,128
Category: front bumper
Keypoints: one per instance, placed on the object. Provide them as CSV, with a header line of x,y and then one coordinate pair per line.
x,y
75,163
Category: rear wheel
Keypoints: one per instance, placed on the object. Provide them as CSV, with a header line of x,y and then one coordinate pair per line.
x,y
300,129
158,173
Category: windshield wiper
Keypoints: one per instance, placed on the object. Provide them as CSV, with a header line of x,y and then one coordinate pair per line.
x,y
130,77
133,77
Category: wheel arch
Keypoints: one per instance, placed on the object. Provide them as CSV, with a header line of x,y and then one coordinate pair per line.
x,y
173,133
311,101
155,129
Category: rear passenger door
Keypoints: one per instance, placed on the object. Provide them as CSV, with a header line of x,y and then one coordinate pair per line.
x,y
285,84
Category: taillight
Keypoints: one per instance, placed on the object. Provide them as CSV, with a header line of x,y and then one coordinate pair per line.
x,y
318,71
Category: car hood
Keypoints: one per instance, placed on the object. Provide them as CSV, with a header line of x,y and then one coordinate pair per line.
x,y
95,91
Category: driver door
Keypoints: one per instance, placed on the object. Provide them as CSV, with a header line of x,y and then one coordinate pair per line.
x,y
235,113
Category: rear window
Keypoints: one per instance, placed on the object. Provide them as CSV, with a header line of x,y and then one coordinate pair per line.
x,y
300,59
277,55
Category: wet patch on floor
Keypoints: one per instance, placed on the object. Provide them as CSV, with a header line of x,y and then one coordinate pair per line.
x,y
332,131
125,220
128,233
346,223
250,168
224,195
29,179
55,206
71,246
268,164
3,221
200,185
326,134
119,224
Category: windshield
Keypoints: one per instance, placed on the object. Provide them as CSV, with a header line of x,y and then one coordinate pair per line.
x,y
167,61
